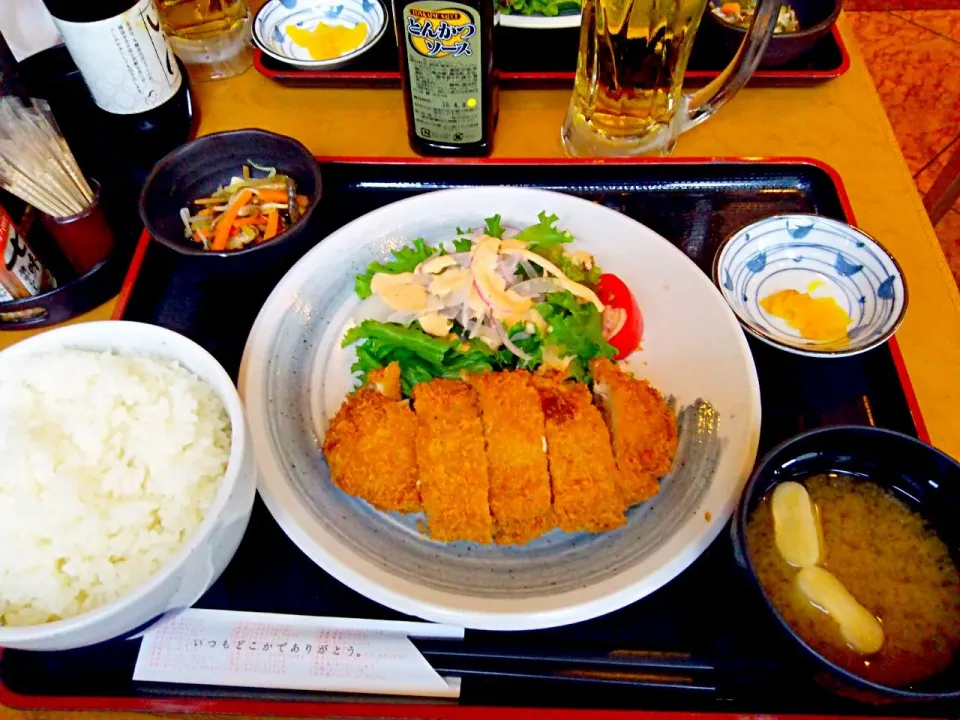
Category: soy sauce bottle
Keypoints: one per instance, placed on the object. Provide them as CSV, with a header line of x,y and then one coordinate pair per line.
x,y
131,72
450,83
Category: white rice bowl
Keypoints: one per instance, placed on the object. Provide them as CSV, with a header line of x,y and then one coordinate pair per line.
x,y
127,480
110,462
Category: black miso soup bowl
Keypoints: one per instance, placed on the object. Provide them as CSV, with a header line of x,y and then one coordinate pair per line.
x,y
816,18
924,478
198,168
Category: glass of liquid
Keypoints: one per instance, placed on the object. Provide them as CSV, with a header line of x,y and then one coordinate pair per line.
x,y
212,37
628,99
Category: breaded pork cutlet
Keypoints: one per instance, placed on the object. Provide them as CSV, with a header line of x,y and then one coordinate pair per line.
x,y
513,426
370,445
582,469
453,463
643,429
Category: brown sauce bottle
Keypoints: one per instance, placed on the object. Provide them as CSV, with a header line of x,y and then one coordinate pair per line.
x,y
450,83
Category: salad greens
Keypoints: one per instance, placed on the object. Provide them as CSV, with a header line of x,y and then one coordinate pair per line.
x,y
404,260
547,8
571,330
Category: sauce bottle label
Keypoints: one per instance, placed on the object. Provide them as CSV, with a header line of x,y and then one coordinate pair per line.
x,y
445,71
125,60
21,274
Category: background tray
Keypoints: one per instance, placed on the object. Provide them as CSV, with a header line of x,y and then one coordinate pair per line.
x,y
728,660
548,58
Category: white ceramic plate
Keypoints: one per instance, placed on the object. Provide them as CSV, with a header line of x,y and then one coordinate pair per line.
x,y
820,256
272,22
294,376
540,22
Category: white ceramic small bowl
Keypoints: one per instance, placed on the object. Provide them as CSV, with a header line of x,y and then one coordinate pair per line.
x,y
271,22
204,555
823,257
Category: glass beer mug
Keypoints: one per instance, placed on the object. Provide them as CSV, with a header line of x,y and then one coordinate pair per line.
x,y
633,54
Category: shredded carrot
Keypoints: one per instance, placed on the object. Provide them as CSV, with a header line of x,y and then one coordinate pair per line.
x,y
273,223
259,220
198,237
206,212
227,219
276,196
730,8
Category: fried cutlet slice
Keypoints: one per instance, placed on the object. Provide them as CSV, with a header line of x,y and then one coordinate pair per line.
x,y
513,425
386,380
643,429
582,470
370,447
452,461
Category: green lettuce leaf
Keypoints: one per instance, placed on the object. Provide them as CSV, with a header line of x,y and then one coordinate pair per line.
x,y
493,228
462,244
575,329
545,233
573,270
421,356
405,259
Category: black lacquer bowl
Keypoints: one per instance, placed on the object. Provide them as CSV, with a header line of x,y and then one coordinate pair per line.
x,y
816,18
924,478
198,168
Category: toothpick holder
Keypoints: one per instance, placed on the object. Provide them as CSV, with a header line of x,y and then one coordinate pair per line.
x,y
85,238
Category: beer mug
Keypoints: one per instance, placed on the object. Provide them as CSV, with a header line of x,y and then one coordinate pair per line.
x,y
628,97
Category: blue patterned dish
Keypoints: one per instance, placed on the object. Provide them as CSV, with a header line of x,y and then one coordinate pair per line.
x,y
271,22
823,257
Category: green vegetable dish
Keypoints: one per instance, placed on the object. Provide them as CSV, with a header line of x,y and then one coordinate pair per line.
x,y
491,299
547,8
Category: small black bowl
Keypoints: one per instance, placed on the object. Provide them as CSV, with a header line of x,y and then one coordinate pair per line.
x,y
198,168
924,478
816,18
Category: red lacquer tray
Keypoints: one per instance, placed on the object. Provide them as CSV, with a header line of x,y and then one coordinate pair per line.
x,y
736,669
547,58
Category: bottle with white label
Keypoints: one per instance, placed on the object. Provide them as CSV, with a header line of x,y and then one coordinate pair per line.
x,y
131,72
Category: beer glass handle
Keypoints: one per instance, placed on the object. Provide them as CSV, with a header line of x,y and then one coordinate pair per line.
x,y
706,101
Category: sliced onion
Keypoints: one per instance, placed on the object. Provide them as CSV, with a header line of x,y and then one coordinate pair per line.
x,y
373,308
477,325
507,267
451,313
508,343
490,334
185,216
537,286
462,258
528,269
484,298
403,317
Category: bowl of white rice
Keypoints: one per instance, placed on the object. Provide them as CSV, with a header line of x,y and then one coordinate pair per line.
x,y
126,482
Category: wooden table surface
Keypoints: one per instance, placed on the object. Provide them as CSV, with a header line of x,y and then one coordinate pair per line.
x,y
841,123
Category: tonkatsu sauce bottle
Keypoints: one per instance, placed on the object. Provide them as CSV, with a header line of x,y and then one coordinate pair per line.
x,y
450,84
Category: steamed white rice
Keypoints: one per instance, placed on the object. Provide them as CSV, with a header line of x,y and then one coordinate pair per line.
x,y
108,463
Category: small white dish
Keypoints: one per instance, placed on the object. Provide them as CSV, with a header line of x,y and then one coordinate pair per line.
x,y
272,20
819,256
183,578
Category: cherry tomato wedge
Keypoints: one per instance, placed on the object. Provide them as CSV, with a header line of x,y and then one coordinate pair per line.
x,y
622,319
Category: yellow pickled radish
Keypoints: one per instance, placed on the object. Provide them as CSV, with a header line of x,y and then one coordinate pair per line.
x,y
858,626
795,525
